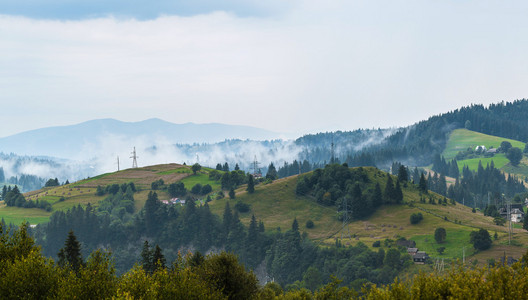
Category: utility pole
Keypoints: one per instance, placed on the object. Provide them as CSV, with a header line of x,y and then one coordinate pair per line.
x,y
134,158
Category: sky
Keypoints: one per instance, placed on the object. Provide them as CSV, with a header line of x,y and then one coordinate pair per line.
x,y
289,66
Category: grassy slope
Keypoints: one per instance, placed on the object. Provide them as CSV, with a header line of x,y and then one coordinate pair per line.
x,y
277,205
461,139
83,191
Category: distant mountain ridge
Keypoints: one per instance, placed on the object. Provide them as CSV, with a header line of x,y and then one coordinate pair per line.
x,y
68,141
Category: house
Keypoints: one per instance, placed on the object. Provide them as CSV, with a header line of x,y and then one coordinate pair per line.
x,y
420,257
492,150
516,212
173,201
516,215
481,148
412,251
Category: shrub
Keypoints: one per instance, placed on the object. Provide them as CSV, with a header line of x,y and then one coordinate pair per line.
x,y
242,207
376,244
309,224
416,218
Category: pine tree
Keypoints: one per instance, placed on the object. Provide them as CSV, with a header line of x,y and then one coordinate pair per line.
x,y
422,186
403,174
272,172
147,258
377,196
70,255
232,193
251,185
158,260
151,207
398,194
389,190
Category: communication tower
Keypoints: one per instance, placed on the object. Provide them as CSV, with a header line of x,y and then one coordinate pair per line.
x,y
134,158
118,163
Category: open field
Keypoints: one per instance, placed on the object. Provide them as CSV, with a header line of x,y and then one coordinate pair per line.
x,y
461,139
17,215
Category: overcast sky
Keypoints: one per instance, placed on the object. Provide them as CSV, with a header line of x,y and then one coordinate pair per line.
x,y
290,66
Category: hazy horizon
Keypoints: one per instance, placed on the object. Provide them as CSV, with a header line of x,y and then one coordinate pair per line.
x,y
297,67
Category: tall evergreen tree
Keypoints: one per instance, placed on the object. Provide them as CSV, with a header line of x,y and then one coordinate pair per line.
x,y
158,259
389,190
151,218
70,255
251,184
398,194
422,185
403,174
147,258
377,196
272,172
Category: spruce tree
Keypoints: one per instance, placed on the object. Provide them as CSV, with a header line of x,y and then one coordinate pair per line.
x,y
146,258
422,186
70,255
251,185
232,193
398,194
389,190
158,260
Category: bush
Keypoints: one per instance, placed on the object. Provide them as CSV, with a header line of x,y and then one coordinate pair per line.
x,y
242,207
206,189
416,218
376,244
196,189
309,224
220,195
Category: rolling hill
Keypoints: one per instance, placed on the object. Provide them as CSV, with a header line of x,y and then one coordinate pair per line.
x,y
462,139
276,204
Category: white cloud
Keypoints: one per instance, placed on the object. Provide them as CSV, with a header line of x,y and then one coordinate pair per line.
x,y
341,64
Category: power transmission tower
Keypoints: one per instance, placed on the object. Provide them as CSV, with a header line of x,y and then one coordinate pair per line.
x,y
346,219
256,170
134,158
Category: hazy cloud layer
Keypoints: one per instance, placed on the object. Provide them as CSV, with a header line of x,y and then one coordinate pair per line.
x,y
307,67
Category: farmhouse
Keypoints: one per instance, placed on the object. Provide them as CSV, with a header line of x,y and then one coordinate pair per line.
x,y
516,212
481,148
420,257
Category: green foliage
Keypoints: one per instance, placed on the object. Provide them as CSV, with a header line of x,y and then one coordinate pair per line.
x,y
177,189
242,207
70,256
232,193
416,218
480,239
310,224
52,182
251,184
514,155
195,168
224,273
440,235
158,184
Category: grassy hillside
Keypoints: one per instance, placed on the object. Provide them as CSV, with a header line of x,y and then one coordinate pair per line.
x,y
276,204
83,191
461,139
